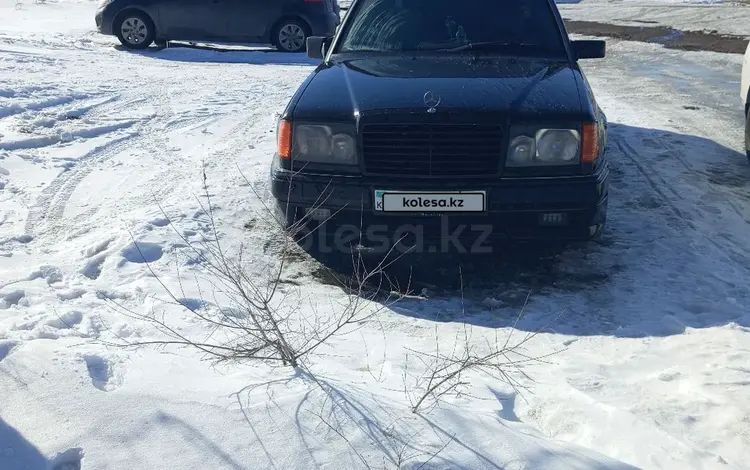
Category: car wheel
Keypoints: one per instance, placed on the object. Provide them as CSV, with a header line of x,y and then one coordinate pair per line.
x,y
747,135
290,36
135,30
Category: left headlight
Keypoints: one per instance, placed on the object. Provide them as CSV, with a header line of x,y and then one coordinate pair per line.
x,y
324,143
544,147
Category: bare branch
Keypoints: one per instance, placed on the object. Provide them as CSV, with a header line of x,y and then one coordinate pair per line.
x,y
444,373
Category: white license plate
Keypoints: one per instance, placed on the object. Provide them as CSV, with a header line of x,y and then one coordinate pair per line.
x,y
423,201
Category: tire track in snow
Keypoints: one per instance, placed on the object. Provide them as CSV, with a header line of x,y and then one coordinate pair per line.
x,y
51,203
46,216
631,154
661,186
232,140
725,192
52,121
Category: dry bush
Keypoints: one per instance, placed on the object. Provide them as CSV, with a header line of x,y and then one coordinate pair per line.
x,y
262,320
445,372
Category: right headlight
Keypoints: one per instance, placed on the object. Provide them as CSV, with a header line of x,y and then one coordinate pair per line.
x,y
545,147
324,143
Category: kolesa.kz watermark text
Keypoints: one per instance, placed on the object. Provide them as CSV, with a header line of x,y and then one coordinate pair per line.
x,y
407,238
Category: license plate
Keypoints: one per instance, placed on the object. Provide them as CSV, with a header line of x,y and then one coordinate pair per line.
x,y
423,201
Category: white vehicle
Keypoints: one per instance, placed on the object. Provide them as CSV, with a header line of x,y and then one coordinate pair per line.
x,y
745,96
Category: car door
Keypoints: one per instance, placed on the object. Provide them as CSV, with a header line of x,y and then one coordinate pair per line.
x,y
250,20
192,19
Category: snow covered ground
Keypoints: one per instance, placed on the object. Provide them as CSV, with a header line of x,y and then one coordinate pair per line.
x,y
652,353
725,17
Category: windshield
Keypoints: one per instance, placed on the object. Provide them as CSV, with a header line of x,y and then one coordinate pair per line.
x,y
526,26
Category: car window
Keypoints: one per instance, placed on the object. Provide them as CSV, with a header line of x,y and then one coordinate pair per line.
x,y
424,25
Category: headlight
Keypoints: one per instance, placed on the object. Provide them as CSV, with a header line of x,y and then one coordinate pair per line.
x,y
557,145
546,147
319,143
522,150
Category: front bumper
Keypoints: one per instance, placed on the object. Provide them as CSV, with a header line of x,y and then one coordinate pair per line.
x,y
516,207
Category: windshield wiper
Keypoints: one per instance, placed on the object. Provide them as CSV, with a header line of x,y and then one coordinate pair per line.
x,y
490,46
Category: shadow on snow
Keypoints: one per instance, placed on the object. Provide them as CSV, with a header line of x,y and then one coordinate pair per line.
x,y
20,454
23,454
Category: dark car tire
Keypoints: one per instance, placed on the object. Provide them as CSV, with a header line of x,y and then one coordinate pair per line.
x,y
290,35
145,31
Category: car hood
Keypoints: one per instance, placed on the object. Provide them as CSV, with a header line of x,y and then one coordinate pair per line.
x,y
513,87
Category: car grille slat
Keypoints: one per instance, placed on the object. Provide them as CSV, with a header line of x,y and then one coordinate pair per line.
x,y
432,149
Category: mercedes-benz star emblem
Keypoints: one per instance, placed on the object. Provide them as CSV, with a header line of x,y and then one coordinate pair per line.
x,y
431,100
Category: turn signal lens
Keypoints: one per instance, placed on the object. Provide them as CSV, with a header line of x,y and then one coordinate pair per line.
x,y
284,140
589,143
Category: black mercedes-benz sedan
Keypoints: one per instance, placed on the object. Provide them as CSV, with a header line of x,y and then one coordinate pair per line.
x,y
442,121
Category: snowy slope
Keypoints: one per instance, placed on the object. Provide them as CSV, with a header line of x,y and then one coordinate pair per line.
x,y
725,17
650,365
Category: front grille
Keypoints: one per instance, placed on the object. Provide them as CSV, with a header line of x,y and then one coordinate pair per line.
x,y
432,149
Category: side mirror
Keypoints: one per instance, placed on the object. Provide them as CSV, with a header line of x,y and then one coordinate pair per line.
x,y
589,48
316,47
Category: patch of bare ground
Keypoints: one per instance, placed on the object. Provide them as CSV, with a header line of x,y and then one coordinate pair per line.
x,y
671,38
